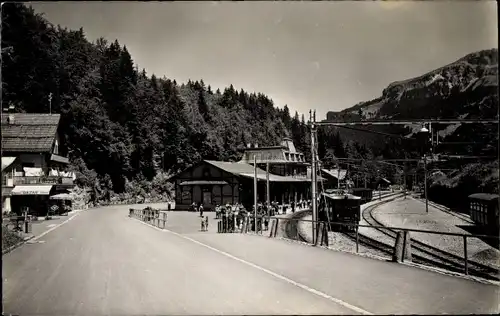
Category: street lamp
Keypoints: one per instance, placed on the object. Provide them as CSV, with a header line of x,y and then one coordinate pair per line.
x,y
424,131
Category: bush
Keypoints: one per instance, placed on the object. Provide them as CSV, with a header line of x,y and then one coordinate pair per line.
x,y
9,238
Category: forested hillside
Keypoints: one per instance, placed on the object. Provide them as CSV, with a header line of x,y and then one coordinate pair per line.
x,y
125,131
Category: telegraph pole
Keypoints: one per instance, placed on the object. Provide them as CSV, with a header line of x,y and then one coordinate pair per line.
x,y
267,184
313,175
425,185
255,191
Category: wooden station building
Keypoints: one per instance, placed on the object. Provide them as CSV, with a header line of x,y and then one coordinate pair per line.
x,y
219,182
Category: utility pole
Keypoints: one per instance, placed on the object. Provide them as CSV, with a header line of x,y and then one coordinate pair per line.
x,y
404,175
425,184
255,191
338,176
313,175
267,184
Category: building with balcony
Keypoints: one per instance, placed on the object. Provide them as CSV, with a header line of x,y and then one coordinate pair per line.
x,y
220,182
34,165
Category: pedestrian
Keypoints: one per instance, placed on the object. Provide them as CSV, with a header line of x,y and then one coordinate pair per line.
x,y
201,209
206,223
293,206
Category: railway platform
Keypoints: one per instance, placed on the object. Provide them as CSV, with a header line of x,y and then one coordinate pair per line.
x,y
410,213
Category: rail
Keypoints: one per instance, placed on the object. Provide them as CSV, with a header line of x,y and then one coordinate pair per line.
x,y
150,216
440,258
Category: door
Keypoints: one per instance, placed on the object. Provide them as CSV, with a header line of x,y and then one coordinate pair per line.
x,y
207,198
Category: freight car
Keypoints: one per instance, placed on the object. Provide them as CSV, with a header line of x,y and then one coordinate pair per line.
x,y
339,208
483,208
365,194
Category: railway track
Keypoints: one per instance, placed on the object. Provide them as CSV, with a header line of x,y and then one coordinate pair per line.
x,y
429,255
422,253
291,231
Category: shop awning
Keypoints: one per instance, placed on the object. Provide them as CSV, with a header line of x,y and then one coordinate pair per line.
x,y
31,190
203,182
61,196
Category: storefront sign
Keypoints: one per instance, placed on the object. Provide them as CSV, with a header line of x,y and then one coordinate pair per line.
x,y
30,193
31,190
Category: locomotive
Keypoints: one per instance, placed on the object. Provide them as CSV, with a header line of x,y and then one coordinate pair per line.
x,y
339,207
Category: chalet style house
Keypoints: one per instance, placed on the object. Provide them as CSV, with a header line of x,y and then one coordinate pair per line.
x,y
34,165
220,182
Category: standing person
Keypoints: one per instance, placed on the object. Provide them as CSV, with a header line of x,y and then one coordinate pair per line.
x,y
292,204
201,209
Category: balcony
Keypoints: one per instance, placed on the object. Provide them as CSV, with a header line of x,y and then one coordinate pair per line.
x,y
54,180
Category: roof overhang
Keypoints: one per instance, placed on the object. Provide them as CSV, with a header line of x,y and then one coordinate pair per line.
x,y
7,161
276,178
59,159
61,196
31,190
203,182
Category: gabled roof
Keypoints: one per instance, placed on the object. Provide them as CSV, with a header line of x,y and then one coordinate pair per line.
x,y
29,132
235,167
7,161
336,173
484,196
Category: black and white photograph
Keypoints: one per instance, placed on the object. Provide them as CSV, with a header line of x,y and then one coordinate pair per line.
x,y
250,158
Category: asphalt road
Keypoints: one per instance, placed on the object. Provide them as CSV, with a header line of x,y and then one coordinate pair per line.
x,y
103,263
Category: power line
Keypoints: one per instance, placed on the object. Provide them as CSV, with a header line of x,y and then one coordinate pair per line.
x,y
409,122
374,132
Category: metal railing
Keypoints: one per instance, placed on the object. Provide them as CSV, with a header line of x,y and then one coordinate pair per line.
x,y
43,180
288,228
150,216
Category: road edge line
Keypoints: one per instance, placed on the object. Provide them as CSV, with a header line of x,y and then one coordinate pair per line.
x,y
274,274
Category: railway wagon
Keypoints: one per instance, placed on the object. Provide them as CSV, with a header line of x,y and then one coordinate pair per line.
x,y
339,208
483,208
365,194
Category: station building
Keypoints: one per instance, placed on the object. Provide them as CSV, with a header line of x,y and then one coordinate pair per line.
x,y
220,182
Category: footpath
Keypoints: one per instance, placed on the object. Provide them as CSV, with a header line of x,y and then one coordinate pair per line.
x,y
40,227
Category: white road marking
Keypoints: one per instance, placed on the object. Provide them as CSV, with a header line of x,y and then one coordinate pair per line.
x,y
51,225
54,227
274,274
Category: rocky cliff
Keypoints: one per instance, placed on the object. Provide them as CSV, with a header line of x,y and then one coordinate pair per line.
x,y
466,88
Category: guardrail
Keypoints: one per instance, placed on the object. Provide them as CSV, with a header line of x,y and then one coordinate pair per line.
x,y
150,216
43,180
290,230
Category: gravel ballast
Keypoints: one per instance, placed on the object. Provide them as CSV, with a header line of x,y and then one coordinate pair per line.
x,y
411,214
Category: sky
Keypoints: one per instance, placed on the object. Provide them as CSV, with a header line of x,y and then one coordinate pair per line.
x,y
325,56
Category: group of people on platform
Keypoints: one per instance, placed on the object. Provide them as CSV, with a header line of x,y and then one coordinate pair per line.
x,y
233,215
